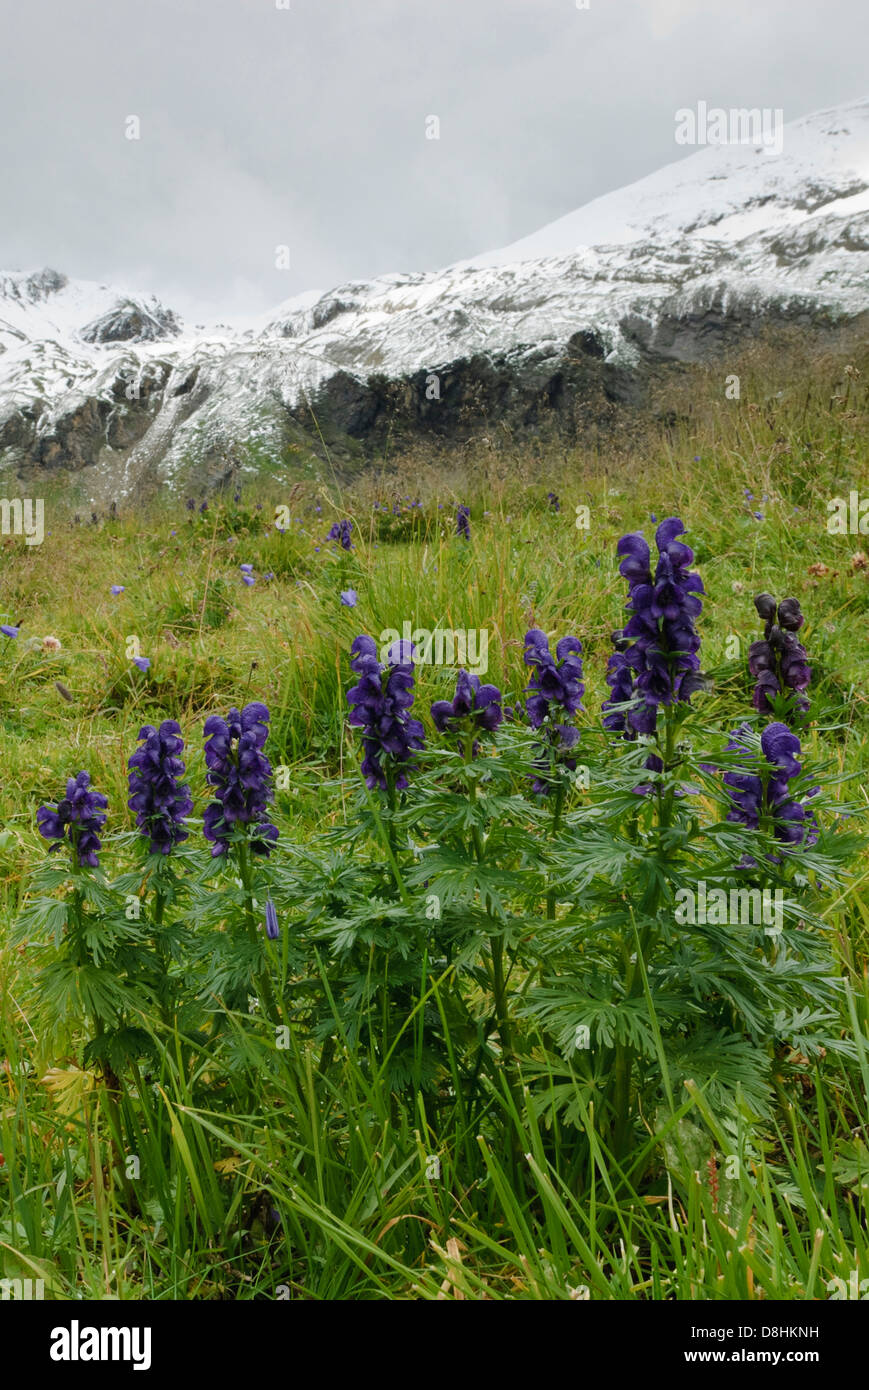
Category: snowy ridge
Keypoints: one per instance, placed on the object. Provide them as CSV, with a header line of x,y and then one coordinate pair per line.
x,y
727,226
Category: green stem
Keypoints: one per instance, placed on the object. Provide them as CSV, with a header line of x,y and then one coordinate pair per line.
x,y
262,984
556,824
623,1064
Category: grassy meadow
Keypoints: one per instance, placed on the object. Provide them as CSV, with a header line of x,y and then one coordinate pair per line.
x,y
312,1179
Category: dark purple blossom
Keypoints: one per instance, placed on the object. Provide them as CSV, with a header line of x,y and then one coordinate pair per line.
x,y
240,774
557,680
463,523
473,709
620,679
554,694
273,930
553,500
157,797
662,640
341,532
76,818
380,705
753,793
779,662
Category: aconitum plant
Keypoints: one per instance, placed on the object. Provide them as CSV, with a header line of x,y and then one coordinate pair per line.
x,y
240,774
473,709
753,794
779,663
380,705
341,532
76,820
159,800
554,693
664,640
620,679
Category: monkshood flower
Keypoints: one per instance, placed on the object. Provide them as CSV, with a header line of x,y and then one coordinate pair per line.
x,y
794,823
745,789
620,679
240,774
273,930
341,532
76,818
463,522
557,681
473,709
780,661
554,692
380,706
552,499
664,641
158,799
643,717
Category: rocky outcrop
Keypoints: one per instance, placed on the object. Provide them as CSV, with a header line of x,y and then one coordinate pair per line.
x,y
129,322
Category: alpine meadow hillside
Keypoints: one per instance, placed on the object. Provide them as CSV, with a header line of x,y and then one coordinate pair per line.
x,y
446,878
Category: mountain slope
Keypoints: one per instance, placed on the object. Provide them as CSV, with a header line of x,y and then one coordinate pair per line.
x,y
681,264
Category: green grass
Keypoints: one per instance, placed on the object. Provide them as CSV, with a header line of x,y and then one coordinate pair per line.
x,y
343,1162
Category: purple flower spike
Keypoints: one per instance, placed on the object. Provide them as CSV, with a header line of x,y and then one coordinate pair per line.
x,y
780,662
240,774
794,823
76,818
659,644
380,705
474,708
555,693
463,523
341,532
157,798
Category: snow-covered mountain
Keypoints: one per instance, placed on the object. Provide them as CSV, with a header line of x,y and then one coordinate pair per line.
x,y
685,262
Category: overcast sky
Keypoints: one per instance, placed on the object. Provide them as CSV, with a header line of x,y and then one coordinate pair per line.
x,y
306,126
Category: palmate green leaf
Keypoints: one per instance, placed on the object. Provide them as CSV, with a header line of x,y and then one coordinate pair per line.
x,y
51,874
597,853
373,923
731,1071
83,993
814,1032
119,1047
567,1007
456,879
42,919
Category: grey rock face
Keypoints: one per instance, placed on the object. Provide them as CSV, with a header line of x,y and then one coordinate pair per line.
x,y
129,322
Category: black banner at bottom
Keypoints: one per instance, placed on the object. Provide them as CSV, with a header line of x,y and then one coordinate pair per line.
x,y
85,1340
